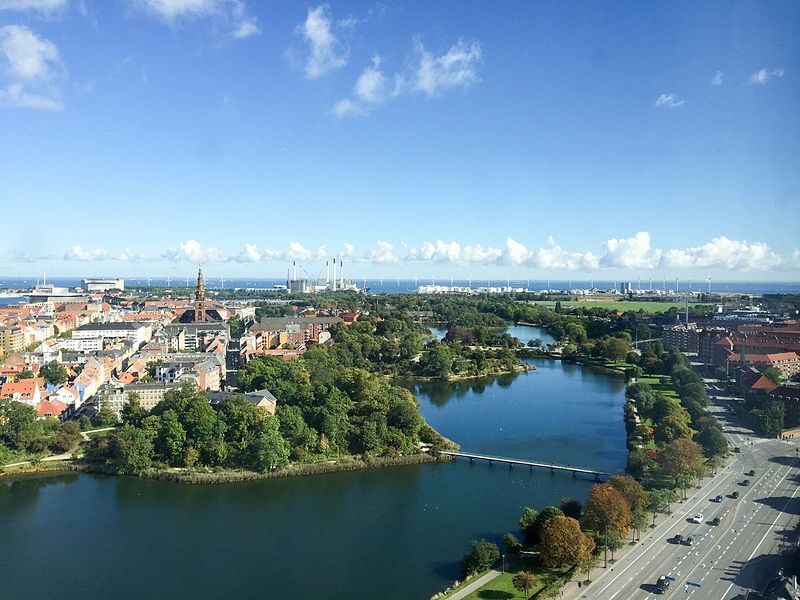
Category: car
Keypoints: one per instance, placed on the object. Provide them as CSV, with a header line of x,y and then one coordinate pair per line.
x,y
751,472
718,498
662,585
734,495
737,449
678,539
716,521
698,518
689,541
746,482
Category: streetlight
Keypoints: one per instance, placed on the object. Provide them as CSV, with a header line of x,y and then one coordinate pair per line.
x,y
504,562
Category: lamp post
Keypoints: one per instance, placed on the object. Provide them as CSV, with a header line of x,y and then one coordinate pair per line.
x,y
503,556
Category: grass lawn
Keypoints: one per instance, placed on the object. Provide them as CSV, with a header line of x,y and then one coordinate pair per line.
x,y
620,305
654,381
502,586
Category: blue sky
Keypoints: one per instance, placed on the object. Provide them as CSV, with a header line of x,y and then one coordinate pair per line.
x,y
449,138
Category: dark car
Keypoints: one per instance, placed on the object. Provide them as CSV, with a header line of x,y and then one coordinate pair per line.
x,y
716,521
746,482
678,539
734,495
718,498
689,541
662,585
737,449
751,472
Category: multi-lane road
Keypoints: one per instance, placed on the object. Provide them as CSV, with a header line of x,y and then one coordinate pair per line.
x,y
725,560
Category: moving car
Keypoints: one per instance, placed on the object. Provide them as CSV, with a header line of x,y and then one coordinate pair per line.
x,y
751,472
698,518
678,539
716,521
746,482
662,585
734,495
689,541
718,498
737,449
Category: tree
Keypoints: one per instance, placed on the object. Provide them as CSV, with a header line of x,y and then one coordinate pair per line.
x,y
633,492
638,523
20,428
563,543
547,513
526,525
773,374
25,374
132,411
659,502
680,458
671,428
588,562
571,507
132,450
270,450
53,372
607,512
482,556
713,442
524,581
170,438
512,544
105,416
66,437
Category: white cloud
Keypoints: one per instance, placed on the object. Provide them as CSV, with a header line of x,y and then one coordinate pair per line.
x,y
670,101
763,75
46,7
326,51
458,67
231,14
193,251
382,254
78,253
129,256
632,252
429,74
31,69
724,253
718,79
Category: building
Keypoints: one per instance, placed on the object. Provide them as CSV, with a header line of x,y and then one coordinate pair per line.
x,y
274,332
103,284
115,395
12,339
138,332
788,363
261,398
683,336
194,337
790,396
28,391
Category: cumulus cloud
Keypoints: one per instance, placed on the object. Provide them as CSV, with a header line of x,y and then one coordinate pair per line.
x,y
669,101
630,253
45,7
79,253
763,75
381,254
429,74
724,253
193,251
296,251
128,256
718,79
230,14
326,51
30,69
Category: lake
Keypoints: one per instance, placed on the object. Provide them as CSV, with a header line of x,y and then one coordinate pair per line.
x,y
390,533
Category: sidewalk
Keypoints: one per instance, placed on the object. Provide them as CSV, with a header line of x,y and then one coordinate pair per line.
x,y
477,584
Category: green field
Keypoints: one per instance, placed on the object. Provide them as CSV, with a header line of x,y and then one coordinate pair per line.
x,y
619,305
654,381
502,586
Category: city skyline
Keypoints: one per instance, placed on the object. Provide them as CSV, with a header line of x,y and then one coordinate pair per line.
x,y
446,140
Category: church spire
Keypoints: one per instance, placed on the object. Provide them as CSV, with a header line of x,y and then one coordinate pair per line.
x,y
200,298
201,290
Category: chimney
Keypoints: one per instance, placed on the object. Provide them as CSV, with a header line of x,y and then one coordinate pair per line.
x,y
333,288
341,274
294,270
327,273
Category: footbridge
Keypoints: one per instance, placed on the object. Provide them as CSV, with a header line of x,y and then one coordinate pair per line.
x,y
527,463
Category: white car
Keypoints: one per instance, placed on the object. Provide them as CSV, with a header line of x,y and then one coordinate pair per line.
x,y
698,518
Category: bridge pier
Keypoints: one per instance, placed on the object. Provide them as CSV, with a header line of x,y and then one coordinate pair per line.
x,y
574,474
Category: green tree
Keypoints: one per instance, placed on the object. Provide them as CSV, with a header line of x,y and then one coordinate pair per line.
x,y
774,375
512,544
66,437
526,525
713,441
132,411
270,450
680,458
20,428
105,416
132,450
571,507
170,440
53,372
482,556
547,513
671,428
25,374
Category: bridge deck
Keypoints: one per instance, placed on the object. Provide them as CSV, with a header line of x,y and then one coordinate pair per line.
x,y
526,463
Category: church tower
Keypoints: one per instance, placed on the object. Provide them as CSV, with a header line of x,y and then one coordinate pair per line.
x,y
200,299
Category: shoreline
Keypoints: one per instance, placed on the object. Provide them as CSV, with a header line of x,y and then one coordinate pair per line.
x,y
187,477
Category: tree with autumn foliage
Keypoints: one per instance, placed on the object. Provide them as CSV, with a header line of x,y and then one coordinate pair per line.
x,y
680,458
607,511
563,543
524,581
633,492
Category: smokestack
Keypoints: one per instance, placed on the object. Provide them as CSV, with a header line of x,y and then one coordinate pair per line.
x,y
334,275
327,273
341,273
294,270
687,311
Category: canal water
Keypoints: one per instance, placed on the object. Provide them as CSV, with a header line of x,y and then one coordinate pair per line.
x,y
390,533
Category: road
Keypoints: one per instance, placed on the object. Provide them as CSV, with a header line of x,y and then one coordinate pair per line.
x,y
725,560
